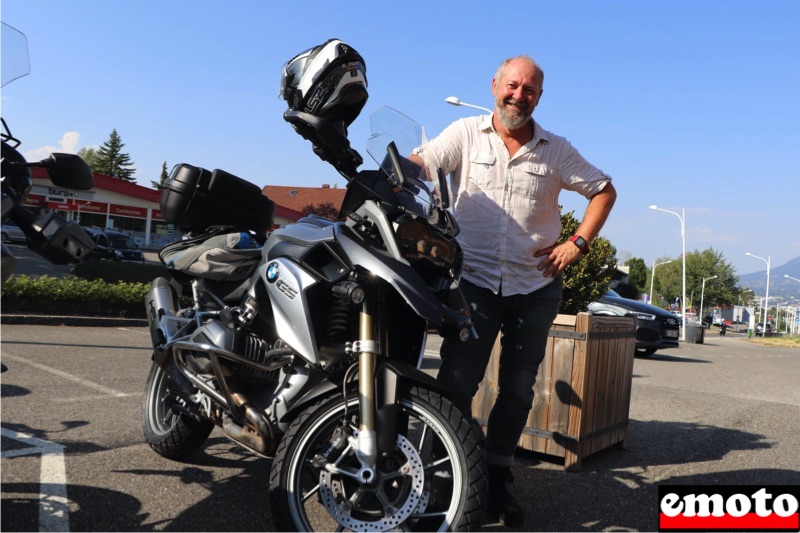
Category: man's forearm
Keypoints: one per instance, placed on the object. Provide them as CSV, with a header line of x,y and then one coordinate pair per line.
x,y
597,212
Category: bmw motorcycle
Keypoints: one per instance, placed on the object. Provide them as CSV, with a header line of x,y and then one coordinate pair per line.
x,y
314,358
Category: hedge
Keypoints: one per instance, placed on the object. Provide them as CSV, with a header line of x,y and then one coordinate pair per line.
x,y
69,295
95,288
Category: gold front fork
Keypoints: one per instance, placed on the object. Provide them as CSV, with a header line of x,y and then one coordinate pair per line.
x,y
367,348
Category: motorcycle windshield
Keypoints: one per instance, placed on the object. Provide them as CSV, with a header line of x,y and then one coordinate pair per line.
x,y
415,193
15,61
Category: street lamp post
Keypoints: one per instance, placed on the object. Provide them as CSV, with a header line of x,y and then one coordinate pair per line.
x,y
653,275
453,100
794,314
702,294
682,218
766,296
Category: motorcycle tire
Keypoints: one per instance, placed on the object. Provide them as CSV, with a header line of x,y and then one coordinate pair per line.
x,y
172,434
434,480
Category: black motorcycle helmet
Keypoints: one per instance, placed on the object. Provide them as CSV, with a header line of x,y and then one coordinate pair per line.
x,y
328,81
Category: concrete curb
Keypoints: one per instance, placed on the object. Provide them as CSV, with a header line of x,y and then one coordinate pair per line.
x,y
86,321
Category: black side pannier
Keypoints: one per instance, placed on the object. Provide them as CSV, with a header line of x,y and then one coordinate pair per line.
x,y
194,199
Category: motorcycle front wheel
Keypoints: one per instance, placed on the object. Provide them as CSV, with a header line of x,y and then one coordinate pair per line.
x,y
433,480
169,431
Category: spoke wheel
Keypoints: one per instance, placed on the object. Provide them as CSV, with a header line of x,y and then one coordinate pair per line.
x,y
168,431
432,480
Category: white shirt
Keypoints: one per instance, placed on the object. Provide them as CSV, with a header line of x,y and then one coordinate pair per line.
x,y
507,207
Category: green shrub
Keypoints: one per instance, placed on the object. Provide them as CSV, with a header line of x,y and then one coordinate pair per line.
x,y
70,295
586,279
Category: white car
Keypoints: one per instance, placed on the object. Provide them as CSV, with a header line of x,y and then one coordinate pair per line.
x,y
12,233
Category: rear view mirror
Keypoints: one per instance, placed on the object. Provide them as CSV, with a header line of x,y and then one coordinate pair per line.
x,y
444,192
394,156
68,171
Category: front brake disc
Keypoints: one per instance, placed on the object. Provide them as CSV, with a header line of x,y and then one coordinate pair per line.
x,y
397,493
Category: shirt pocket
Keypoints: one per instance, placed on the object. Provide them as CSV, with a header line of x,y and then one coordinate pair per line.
x,y
533,180
482,172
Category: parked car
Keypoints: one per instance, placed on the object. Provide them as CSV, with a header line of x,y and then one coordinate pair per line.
x,y
760,329
113,245
12,233
656,328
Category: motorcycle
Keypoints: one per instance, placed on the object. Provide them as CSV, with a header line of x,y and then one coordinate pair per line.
x,y
50,235
313,358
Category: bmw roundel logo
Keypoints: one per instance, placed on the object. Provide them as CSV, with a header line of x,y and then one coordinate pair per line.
x,y
272,272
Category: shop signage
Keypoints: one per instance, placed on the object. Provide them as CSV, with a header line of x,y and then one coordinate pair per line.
x,y
128,211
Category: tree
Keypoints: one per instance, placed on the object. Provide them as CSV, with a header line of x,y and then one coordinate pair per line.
x,y
722,290
89,155
158,185
586,279
657,282
112,161
637,274
322,209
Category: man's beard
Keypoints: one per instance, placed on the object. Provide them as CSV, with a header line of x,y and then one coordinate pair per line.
x,y
512,117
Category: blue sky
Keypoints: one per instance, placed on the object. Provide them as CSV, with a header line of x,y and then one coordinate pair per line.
x,y
686,104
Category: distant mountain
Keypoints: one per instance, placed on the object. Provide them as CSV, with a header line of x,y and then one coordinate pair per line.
x,y
779,287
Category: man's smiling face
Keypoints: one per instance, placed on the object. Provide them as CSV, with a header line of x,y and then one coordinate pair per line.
x,y
516,93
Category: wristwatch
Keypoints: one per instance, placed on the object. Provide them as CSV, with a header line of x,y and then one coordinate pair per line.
x,y
581,243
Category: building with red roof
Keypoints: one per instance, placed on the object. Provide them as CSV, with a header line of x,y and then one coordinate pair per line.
x,y
297,198
132,208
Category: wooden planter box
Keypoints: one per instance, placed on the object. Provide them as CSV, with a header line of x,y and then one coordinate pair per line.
x,y
582,392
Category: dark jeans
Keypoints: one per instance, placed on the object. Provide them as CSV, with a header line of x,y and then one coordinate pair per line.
x,y
524,321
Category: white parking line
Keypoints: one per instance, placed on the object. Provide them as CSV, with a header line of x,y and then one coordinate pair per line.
x,y
140,330
53,502
97,397
62,374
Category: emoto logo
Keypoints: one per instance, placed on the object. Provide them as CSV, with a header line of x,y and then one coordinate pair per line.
x,y
728,508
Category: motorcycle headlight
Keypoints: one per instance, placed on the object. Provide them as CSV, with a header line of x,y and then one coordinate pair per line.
x,y
418,243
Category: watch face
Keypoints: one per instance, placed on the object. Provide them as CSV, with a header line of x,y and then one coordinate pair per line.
x,y
581,243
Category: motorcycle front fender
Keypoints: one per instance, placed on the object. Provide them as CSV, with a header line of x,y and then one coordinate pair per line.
x,y
405,281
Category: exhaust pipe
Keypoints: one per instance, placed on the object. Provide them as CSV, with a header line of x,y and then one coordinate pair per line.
x,y
256,434
160,305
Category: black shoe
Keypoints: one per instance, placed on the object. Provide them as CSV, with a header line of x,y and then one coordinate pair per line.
x,y
501,506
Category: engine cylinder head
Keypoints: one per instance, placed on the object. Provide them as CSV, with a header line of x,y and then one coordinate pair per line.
x,y
251,347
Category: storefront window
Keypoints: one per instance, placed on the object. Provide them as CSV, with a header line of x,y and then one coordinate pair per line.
x,y
91,219
162,234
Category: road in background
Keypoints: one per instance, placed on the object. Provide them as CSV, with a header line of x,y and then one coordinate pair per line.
x,y
724,412
32,264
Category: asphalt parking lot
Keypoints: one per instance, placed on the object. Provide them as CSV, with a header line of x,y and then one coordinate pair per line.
x,y
724,412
